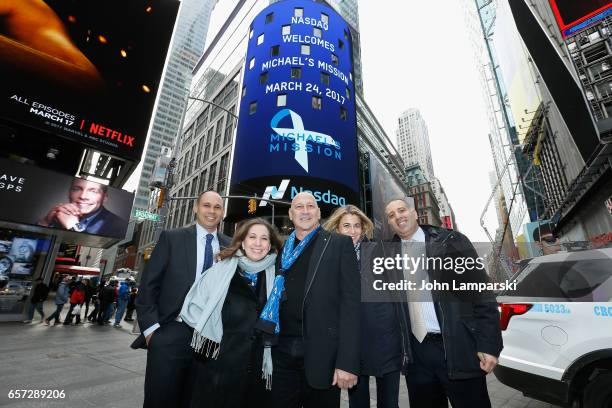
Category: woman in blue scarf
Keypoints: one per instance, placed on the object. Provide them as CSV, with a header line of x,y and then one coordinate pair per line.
x,y
223,305
381,352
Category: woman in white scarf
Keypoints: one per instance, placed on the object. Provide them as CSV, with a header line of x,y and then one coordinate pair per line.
x,y
222,307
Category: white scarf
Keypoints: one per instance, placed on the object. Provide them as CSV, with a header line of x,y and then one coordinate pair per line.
x,y
204,302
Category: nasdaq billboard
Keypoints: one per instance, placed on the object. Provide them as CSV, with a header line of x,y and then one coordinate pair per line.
x,y
297,124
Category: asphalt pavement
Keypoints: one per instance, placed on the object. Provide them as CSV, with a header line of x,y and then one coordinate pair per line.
x,y
95,367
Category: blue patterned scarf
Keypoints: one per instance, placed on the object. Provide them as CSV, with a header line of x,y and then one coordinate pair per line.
x,y
269,318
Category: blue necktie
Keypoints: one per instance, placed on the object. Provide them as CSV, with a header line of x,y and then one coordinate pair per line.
x,y
208,254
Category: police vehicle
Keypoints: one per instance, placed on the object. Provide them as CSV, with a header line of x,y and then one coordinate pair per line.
x,y
557,330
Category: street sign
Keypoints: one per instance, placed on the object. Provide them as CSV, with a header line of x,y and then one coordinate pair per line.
x,y
145,215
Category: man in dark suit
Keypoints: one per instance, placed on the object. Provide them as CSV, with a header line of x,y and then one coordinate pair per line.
x,y
179,257
318,345
85,211
453,339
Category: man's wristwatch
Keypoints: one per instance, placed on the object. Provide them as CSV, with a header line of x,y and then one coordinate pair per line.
x,y
78,227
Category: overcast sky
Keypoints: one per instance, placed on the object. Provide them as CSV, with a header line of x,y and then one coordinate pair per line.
x,y
416,54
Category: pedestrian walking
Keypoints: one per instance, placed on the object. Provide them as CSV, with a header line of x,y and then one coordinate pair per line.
x,y
41,291
89,292
106,302
77,298
61,297
123,296
131,305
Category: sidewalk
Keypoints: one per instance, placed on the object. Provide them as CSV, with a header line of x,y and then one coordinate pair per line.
x,y
95,367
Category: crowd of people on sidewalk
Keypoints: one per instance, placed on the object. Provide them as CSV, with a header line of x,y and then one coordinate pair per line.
x,y
110,302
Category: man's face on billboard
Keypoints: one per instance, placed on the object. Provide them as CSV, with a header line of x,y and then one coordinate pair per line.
x,y
87,196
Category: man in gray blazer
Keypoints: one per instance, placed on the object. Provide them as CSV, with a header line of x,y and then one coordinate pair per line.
x,y
178,258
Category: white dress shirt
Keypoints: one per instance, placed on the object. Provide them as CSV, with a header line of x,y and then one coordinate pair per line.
x,y
427,308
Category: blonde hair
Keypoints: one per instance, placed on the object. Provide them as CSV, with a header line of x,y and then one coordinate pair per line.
x,y
334,220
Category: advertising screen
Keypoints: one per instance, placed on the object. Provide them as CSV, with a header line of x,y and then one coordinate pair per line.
x,y
573,15
85,70
31,195
297,123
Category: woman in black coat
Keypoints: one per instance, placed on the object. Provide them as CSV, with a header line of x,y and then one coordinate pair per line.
x,y
229,373
381,350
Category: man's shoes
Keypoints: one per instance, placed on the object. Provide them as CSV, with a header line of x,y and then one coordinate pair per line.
x,y
46,323
117,325
27,321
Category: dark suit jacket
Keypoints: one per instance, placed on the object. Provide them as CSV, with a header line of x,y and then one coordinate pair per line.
x,y
331,320
226,381
168,277
469,321
108,224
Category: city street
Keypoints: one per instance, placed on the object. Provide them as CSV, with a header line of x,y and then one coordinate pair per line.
x,y
95,367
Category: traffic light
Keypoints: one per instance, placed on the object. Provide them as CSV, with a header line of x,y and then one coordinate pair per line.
x,y
252,206
160,199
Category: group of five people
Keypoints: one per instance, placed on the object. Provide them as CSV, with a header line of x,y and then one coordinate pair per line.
x,y
251,321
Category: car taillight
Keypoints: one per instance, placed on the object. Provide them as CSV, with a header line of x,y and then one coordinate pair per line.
x,y
507,310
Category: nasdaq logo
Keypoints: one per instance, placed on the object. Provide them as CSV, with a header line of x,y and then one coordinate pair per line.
x,y
274,193
326,196
301,141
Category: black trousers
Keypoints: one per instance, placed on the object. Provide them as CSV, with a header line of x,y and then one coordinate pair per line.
x,y
428,383
289,386
387,391
168,379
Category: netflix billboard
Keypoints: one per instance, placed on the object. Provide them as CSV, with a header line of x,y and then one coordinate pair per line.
x,y
88,71
573,15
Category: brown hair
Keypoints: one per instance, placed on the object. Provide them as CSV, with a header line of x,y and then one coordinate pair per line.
x,y
241,233
334,220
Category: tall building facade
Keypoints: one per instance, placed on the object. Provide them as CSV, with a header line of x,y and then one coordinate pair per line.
x,y
187,47
571,52
204,151
413,141
422,192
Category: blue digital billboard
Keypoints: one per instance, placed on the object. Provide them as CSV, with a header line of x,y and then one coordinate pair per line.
x,y
297,122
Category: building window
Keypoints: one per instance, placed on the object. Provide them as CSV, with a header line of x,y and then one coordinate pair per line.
x,y
263,78
316,31
296,73
260,39
243,91
252,107
269,18
334,59
346,36
274,50
324,19
324,78
286,30
251,63
340,44
348,93
317,102
250,32
305,49
343,113
298,12
281,100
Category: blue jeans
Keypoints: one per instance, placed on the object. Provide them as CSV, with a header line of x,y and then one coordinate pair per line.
x,y
56,315
121,305
36,306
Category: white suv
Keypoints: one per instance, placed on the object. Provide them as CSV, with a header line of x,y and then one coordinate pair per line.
x,y
557,330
